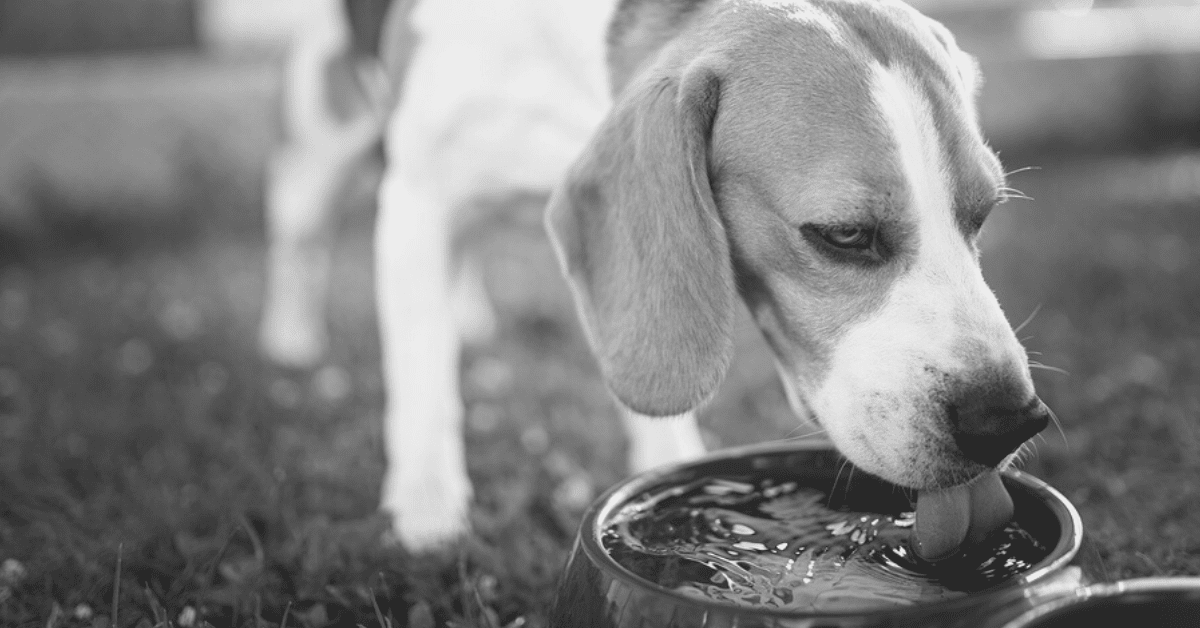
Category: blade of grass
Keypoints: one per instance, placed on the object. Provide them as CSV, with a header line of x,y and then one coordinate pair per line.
x,y
116,599
160,615
287,610
379,613
211,570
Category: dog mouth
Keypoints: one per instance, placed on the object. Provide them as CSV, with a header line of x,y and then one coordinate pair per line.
x,y
958,501
960,515
944,464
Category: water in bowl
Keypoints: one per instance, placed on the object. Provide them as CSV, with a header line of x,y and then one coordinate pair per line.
x,y
771,543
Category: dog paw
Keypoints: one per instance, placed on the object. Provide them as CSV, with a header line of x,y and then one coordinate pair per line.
x,y
429,511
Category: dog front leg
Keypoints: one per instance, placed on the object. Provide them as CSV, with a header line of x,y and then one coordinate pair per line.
x,y
426,487
657,441
300,201
306,178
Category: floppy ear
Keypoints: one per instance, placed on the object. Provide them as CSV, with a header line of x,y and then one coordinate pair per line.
x,y
643,248
964,64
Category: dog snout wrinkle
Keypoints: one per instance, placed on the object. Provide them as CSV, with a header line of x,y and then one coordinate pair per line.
x,y
987,430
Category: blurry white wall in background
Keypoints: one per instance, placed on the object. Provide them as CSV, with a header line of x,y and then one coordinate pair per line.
x,y
251,24
1080,30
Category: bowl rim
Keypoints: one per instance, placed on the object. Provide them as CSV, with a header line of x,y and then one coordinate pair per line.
x,y
1173,586
602,508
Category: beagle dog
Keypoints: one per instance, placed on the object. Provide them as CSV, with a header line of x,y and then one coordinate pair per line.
x,y
820,159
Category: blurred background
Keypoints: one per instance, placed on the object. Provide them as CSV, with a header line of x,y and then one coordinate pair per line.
x,y
138,421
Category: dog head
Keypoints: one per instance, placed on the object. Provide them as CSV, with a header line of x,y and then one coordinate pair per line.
x,y
824,160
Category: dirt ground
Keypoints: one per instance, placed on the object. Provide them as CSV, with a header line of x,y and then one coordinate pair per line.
x,y
143,438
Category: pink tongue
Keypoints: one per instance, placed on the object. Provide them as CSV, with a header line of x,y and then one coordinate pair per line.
x,y
968,512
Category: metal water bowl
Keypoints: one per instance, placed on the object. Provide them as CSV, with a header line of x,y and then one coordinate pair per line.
x,y
597,592
1145,602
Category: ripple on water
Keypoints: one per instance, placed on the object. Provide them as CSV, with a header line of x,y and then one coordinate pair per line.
x,y
771,543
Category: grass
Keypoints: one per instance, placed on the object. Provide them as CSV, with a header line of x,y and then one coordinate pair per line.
x,y
1108,249
155,469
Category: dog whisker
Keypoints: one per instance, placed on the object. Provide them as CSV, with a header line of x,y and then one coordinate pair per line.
x,y
1023,453
793,436
1007,194
1020,170
1045,367
838,476
1058,425
849,479
1017,457
1028,319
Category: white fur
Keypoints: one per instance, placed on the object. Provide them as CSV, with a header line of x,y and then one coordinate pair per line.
x,y
655,441
500,96
875,398
426,487
473,312
303,180
812,16
503,96
507,93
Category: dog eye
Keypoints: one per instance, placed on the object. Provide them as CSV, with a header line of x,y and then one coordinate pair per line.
x,y
853,243
850,237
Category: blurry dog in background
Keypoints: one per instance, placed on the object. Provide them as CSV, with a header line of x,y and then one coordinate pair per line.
x,y
820,160
339,83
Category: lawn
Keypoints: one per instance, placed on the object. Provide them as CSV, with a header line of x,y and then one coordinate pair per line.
x,y
142,437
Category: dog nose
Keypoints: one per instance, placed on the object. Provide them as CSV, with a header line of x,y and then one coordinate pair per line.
x,y
987,432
